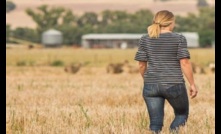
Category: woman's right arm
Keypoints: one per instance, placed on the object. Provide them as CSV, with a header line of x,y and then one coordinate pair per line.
x,y
187,70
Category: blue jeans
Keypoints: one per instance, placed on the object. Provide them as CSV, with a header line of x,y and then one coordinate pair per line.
x,y
155,95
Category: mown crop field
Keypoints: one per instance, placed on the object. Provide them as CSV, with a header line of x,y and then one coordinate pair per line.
x,y
42,98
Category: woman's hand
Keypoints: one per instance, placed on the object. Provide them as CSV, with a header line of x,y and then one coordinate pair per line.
x,y
193,91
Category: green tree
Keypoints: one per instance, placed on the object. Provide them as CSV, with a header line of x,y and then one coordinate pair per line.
x,y
10,6
114,22
56,18
202,3
123,22
50,18
207,17
141,20
190,23
26,34
71,34
206,37
106,17
88,18
8,33
69,18
206,26
203,23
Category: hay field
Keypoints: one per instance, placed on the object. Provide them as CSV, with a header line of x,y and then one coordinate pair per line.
x,y
44,99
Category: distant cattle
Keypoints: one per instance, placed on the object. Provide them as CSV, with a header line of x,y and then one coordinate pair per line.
x,y
197,69
212,67
125,67
74,68
115,68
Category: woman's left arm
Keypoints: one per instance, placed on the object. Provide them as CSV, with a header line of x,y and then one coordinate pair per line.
x,y
142,67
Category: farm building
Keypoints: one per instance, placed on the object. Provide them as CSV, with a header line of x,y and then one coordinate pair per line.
x,y
52,38
126,40
192,39
110,40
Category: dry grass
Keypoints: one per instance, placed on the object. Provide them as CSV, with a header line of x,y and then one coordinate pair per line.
x,y
45,99
42,57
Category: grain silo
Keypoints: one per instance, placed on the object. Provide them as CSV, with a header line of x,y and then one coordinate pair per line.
x,y
52,38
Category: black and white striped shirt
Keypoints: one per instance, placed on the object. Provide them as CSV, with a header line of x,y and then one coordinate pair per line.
x,y
162,55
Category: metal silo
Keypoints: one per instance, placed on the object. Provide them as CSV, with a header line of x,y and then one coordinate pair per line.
x,y
52,38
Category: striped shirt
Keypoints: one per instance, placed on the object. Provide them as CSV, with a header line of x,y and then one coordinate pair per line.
x,y
162,56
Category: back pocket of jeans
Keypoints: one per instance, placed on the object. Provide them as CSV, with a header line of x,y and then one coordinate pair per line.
x,y
174,91
149,90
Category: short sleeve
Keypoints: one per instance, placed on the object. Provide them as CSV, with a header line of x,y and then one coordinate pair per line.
x,y
182,49
141,54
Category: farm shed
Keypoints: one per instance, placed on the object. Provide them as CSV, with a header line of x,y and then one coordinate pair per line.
x,y
52,38
192,39
123,41
110,40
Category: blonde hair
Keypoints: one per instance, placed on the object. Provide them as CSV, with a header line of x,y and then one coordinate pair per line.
x,y
162,18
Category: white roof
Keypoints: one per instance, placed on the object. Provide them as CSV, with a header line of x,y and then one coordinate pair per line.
x,y
112,36
52,32
190,34
101,36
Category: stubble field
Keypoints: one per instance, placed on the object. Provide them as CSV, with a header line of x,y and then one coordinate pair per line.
x,y
41,98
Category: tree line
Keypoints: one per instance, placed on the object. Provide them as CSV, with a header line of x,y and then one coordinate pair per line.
x,y
74,26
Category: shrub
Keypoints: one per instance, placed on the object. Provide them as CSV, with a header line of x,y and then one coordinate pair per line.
x,y
57,63
27,34
202,3
21,63
10,6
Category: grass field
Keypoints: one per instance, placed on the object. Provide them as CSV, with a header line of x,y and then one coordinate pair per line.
x,y
44,99
96,57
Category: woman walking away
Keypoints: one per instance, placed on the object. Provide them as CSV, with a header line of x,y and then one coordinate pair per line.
x,y
167,57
